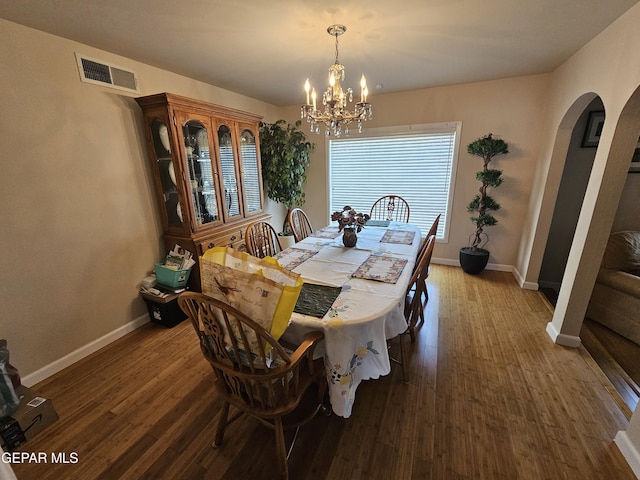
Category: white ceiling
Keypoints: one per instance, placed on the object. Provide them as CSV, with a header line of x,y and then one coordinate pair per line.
x,y
266,49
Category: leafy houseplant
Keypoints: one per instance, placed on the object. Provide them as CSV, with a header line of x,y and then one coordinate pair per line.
x,y
285,154
474,259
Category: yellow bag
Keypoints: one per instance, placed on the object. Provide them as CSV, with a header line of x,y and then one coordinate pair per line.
x,y
259,288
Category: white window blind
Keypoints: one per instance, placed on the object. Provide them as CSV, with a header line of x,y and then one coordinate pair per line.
x,y
418,165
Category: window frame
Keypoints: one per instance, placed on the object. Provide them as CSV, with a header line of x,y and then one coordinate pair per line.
x,y
404,130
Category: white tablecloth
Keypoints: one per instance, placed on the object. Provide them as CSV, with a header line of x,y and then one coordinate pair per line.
x,y
365,314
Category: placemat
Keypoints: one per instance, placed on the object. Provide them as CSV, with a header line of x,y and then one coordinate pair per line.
x,y
378,223
326,232
316,300
404,237
291,257
382,268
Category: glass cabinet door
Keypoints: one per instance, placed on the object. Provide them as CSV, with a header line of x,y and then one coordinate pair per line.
x,y
250,172
231,194
167,171
201,173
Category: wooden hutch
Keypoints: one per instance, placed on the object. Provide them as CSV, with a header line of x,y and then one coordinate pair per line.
x,y
207,174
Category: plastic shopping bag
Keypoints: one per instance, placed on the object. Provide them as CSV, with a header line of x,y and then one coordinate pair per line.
x,y
259,288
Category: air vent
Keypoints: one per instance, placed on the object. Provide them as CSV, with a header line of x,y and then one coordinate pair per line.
x,y
101,73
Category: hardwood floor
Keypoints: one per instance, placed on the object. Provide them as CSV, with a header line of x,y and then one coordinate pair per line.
x,y
616,356
490,397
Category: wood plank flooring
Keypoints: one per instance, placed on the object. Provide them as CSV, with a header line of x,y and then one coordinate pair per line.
x,y
617,357
490,397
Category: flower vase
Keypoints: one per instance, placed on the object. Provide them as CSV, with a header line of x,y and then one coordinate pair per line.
x,y
349,237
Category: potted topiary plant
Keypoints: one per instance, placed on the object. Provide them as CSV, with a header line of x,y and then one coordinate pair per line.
x,y
285,154
474,258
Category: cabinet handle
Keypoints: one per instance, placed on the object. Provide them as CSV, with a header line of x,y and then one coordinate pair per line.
x,y
233,238
211,245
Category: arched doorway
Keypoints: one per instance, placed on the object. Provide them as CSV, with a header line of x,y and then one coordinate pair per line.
x,y
609,173
571,191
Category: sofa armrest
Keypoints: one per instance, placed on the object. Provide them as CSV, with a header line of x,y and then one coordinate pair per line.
x,y
622,281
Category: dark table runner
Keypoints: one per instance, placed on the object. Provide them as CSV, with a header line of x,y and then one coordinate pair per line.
x,y
316,300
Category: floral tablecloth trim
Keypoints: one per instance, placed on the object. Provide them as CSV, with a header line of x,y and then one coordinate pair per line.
x,y
326,232
343,375
404,237
381,268
291,257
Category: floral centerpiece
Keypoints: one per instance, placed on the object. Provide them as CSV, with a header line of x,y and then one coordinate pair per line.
x,y
349,218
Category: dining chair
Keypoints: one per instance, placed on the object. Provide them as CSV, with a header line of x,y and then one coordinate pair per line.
x,y
414,305
422,291
390,207
262,240
432,231
434,226
254,373
300,224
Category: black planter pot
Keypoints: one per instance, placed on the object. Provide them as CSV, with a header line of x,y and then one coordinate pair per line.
x,y
473,260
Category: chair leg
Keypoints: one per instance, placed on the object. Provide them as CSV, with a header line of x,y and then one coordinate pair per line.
x,y
423,306
281,449
222,425
412,334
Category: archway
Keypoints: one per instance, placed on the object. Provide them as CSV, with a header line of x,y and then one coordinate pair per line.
x,y
611,165
573,184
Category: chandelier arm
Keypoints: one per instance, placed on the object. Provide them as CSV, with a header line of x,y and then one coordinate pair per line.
x,y
335,114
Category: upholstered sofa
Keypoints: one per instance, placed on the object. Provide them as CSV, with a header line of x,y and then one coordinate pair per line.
x,y
615,301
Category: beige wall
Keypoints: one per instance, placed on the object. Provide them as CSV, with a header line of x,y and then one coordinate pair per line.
x,y
628,213
80,226
511,109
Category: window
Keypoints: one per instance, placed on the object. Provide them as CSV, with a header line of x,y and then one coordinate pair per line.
x,y
417,163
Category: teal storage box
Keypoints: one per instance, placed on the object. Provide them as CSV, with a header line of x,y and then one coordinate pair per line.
x,y
170,277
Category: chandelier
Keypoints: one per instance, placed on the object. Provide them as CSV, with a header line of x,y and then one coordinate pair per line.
x,y
335,114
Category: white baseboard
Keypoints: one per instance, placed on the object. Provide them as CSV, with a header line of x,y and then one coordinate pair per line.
x,y
522,282
456,263
629,451
492,266
445,261
561,338
71,358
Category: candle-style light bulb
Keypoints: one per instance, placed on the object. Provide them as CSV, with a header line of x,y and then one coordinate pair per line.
x,y
307,88
313,97
332,82
365,92
363,86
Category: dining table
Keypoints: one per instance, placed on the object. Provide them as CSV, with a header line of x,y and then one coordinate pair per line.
x,y
356,297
